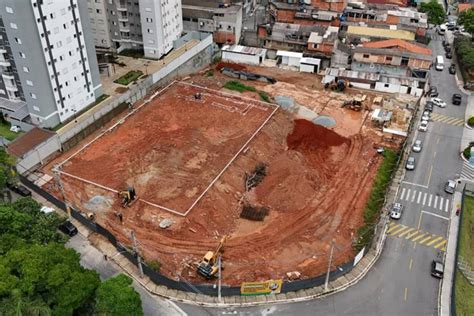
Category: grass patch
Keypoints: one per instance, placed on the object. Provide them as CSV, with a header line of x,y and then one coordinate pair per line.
x,y
6,133
129,77
240,87
134,53
90,106
376,199
464,290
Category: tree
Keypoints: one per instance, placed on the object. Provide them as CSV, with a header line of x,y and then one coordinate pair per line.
x,y
466,19
116,296
44,277
6,168
434,10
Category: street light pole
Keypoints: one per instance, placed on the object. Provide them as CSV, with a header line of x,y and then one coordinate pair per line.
x,y
326,283
57,175
135,248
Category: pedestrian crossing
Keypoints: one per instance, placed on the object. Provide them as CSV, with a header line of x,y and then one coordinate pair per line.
x,y
425,199
416,236
447,119
467,171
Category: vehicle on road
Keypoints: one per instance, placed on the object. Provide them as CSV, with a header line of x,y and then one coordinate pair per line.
x,y
19,189
425,116
457,99
423,126
445,43
438,102
452,69
397,210
410,165
417,146
449,55
15,129
451,25
437,269
441,29
447,49
68,228
433,92
450,186
429,106
439,63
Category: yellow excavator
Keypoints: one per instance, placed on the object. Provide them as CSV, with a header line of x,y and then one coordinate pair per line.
x,y
128,196
208,266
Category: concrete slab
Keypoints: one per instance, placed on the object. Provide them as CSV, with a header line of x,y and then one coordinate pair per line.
x,y
229,299
281,296
301,293
291,295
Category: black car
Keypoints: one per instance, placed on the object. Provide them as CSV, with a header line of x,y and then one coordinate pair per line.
x,y
452,69
457,99
445,43
437,269
429,106
68,228
447,49
19,189
433,92
449,55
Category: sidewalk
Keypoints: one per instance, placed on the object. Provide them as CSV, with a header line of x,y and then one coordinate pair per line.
x,y
450,259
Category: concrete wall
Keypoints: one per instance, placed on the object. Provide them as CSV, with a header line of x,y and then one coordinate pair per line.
x,y
39,155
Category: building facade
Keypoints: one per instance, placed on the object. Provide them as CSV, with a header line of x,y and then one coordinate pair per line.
x,y
148,25
48,59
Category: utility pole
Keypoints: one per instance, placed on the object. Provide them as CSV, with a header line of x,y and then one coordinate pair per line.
x,y
329,267
220,278
135,248
57,176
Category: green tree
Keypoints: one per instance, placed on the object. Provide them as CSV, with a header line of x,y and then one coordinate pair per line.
x,y
116,296
6,168
43,278
466,19
434,10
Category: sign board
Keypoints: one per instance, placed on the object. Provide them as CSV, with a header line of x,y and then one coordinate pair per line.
x,y
359,256
261,288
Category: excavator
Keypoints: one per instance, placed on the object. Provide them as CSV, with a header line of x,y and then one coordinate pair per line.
x,y
208,266
128,196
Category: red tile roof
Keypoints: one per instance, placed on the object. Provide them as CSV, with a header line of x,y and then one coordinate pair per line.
x,y
401,44
464,6
28,141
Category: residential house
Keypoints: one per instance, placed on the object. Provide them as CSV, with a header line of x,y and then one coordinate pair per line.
x,y
306,14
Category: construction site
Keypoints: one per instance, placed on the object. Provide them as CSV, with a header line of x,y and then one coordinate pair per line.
x,y
196,171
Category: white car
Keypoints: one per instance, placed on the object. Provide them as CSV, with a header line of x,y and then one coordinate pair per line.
x,y
438,102
425,116
396,212
15,129
417,146
450,186
47,210
423,126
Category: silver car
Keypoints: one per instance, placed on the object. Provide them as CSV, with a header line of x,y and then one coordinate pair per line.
x,y
425,116
410,165
417,146
397,210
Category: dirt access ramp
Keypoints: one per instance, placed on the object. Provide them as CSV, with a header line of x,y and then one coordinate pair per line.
x,y
316,186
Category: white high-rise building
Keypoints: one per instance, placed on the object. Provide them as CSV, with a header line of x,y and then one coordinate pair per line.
x,y
49,61
151,25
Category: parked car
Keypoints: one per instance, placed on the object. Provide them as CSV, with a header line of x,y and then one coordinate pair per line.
x,y
47,209
437,269
438,102
410,165
449,55
19,189
445,43
433,92
450,186
451,25
68,228
447,49
452,69
425,116
417,146
457,99
423,126
429,106
15,129
397,210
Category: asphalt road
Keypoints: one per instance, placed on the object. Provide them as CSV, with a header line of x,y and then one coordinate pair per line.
x,y
400,282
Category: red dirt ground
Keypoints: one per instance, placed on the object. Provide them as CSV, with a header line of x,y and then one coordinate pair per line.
x,y
316,188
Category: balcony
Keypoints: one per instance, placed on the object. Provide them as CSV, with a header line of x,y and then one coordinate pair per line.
x,y
11,88
121,8
8,75
5,63
123,18
3,50
124,29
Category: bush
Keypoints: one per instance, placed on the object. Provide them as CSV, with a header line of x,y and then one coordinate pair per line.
x,y
210,73
238,86
470,121
264,96
467,152
154,265
376,199
129,77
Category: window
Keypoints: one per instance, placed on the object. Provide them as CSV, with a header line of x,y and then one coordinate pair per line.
x,y
386,85
388,58
22,55
13,26
99,11
366,56
149,31
59,44
148,9
149,20
26,69
29,82
17,40
9,10
52,15
2,91
32,95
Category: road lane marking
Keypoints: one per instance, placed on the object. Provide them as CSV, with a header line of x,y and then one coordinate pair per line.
x,y
420,236
393,228
441,244
410,265
437,141
429,177
406,232
390,224
441,200
425,239
412,234
435,215
396,231
406,293
434,240
435,201
434,155
413,196
415,184
419,197
447,206
429,202
408,194
419,221
403,194
424,198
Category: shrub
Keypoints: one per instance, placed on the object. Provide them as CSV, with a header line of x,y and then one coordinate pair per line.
x,y
470,121
154,264
129,77
467,152
238,86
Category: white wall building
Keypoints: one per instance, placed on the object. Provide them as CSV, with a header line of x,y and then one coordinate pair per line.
x,y
243,54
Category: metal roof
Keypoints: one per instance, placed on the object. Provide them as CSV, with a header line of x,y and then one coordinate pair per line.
x,y
289,54
15,109
244,50
382,33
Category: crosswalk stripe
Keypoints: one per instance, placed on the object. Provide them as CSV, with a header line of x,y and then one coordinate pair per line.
x,y
424,198
406,232
441,244
396,231
447,206
393,228
413,196
412,234
441,200
434,240
429,202
424,240
435,201
408,194
443,249
391,224
403,194
419,197
418,237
